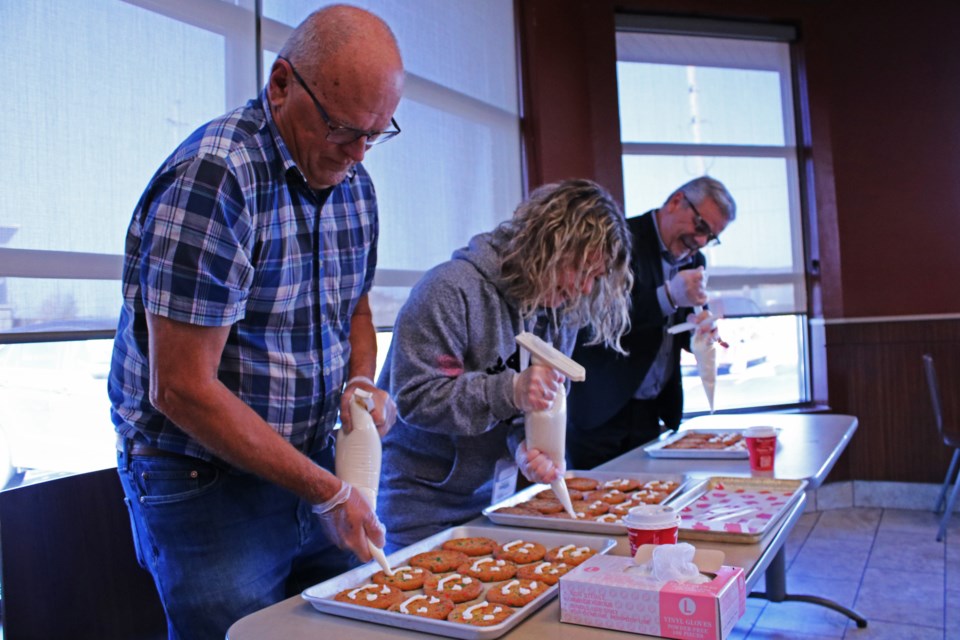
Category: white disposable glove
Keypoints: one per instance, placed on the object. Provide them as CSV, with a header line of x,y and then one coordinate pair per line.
x,y
535,388
706,323
349,522
384,411
536,466
688,288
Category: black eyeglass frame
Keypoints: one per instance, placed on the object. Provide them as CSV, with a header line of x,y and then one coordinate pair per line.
x,y
339,134
700,226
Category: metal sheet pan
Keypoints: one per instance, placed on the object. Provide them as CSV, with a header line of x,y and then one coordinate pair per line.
x,y
658,449
543,522
321,595
743,510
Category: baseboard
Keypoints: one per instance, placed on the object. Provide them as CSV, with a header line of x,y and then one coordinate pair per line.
x,y
872,493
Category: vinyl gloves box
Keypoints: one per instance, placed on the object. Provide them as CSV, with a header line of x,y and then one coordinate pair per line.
x,y
614,592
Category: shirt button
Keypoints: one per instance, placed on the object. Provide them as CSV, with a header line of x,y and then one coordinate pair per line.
x,y
194,474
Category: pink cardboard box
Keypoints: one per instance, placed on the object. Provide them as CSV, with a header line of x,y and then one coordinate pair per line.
x,y
602,592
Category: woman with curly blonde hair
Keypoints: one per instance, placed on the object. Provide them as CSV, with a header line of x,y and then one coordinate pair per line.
x,y
561,263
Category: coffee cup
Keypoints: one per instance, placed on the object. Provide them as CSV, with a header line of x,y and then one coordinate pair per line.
x,y
762,447
651,524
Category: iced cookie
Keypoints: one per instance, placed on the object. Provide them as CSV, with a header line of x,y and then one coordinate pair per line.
x,y
610,496
621,484
548,572
436,607
377,596
570,553
548,494
520,551
516,593
405,578
582,484
488,569
482,614
455,586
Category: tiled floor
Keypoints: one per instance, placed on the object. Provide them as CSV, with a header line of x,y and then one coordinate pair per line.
x,y
884,563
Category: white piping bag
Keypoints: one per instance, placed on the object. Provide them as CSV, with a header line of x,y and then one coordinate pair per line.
x,y
547,430
704,348
358,460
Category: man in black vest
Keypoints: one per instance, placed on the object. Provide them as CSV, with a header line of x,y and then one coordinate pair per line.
x,y
626,400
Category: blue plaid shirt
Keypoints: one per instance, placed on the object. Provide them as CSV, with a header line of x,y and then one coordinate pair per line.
x,y
228,233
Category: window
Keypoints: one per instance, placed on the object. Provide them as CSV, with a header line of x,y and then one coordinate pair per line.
x,y
117,84
703,98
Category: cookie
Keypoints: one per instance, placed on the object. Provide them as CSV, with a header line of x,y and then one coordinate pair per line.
x,y
610,496
475,546
482,614
520,551
517,592
582,484
544,505
518,511
660,486
455,586
548,494
377,596
570,553
548,572
608,518
488,569
647,496
405,578
590,509
621,484
623,508
435,607
439,560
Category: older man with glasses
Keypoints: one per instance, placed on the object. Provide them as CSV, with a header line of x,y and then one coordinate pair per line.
x,y
627,400
245,328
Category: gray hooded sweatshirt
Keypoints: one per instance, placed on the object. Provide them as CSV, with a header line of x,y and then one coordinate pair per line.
x,y
450,369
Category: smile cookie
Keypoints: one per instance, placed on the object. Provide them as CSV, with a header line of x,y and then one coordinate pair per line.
x,y
376,596
482,614
570,553
488,569
455,586
404,578
547,572
520,551
516,593
435,607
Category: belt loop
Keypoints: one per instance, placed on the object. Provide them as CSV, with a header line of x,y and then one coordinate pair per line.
x,y
123,448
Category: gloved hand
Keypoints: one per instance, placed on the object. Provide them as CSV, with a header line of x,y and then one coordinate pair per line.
x,y
688,288
348,522
536,466
706,323
384,411
535,388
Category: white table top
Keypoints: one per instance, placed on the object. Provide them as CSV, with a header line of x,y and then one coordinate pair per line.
x,y
809,445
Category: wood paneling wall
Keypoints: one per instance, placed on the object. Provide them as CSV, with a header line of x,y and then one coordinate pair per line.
x,y
880,148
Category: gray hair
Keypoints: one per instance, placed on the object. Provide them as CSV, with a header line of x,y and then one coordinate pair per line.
x,y
699,189
560,225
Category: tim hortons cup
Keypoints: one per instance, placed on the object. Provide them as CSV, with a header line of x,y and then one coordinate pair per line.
x,y
762,447
651,524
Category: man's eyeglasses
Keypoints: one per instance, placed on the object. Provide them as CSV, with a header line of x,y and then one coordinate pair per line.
x,y
700,226
338,134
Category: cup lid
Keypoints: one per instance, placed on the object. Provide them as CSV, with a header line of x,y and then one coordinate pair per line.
x,y
760,431
651,516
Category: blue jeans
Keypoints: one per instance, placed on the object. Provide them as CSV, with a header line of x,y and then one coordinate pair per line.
x,y
221,543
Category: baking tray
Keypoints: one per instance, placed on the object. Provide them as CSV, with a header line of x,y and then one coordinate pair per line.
x,y
658,450
735,509
582,526
321,595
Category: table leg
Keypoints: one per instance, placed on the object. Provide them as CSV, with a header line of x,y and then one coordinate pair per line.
x,y
776,584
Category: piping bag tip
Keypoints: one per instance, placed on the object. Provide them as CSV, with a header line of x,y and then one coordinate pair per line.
x,y
559,487
380,557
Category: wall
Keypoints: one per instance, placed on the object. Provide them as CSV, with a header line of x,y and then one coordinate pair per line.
x,y
881,153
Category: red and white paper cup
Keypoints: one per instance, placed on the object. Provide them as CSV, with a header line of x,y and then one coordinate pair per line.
x,y
651,524
762,447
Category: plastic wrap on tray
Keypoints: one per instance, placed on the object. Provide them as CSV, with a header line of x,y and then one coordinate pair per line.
x,y
511,511
321,596
735,509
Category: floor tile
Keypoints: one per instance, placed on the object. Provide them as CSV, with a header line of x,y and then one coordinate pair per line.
x,y
789,634
952,619
902,597
809,618
837,559
857,522
878,630
906,551
919,521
